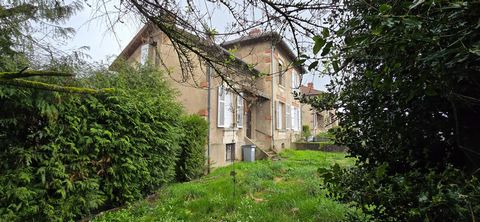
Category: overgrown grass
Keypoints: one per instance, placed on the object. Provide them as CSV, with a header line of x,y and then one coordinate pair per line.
x,y
284,190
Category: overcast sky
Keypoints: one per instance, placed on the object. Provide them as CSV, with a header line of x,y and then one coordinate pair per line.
x,y
104,43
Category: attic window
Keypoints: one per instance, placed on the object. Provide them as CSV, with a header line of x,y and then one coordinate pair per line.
x,y
144,54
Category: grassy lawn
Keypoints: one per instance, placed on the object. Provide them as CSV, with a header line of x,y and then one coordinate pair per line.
x,y
284,190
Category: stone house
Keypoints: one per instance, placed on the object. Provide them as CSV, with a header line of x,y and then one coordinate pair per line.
x,y
262,111
318,121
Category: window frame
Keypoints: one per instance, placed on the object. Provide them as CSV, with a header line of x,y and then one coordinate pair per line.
x,y
221,106
240,108
230,155
144,50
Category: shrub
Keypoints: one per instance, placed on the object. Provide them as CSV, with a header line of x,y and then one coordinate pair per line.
x,y
409,106
191,160
306,132
414,196
68,155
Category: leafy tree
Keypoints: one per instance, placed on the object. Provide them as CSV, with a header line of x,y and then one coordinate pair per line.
x,y
65,156
27,30
406,77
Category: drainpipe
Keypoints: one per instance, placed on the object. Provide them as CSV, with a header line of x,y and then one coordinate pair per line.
x,y
209,73
273,101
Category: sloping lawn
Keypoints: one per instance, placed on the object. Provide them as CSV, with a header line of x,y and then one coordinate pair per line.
x,y
284,190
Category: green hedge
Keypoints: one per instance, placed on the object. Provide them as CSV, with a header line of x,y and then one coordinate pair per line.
x,y
64,156
191,163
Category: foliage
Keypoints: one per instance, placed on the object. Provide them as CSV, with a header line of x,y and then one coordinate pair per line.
x,y
306,132
191,163
27,26
406,77
329,135
66,155
286,190
27,31
414,196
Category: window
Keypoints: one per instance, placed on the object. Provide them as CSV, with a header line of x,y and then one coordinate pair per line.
x,y
240,112
295,81
280,114
281,73
299,118
230,152
144,54
288,123
221,107
224,108
296,118
228,109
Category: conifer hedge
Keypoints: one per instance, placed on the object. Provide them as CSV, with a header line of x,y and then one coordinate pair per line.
x,y
64,156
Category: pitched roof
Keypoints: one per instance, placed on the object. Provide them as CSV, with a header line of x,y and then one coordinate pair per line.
x,y
145,31
273,37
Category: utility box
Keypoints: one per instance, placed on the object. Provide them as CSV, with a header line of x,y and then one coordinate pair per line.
x,y
248,153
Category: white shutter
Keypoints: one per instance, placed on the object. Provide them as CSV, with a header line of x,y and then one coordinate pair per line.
x,y
299,120
239,112
294,118
279,115
144,54
221,107
288,123
228,109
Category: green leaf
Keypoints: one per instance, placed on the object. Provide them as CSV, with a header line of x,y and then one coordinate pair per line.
x,y
335,66
385,8
319,43
325,33
327,48
313,65
381,170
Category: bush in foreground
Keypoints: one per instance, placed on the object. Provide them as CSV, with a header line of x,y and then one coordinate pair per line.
x,y
191,162
66,155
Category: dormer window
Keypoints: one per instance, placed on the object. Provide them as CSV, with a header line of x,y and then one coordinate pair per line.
x,y
144,54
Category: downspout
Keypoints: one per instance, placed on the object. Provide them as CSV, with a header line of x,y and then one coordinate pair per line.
x,y
273,101
209,73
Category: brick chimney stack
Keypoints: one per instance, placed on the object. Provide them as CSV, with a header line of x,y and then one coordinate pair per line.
x,y
254,32
310,85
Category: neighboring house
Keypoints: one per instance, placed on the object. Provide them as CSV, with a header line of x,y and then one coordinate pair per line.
x,y
265,114
318,121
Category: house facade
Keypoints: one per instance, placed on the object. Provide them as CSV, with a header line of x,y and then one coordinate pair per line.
x,y
262,111
318,121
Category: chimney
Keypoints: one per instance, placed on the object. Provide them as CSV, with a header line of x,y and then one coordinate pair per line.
x,y
310,85
254,32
